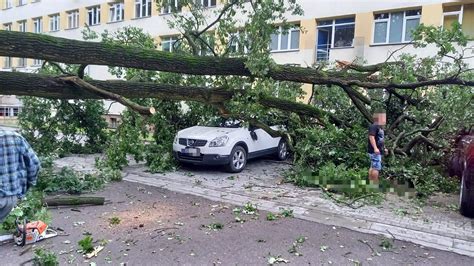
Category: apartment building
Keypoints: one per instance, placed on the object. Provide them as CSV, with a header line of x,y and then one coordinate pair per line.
x,y
329,29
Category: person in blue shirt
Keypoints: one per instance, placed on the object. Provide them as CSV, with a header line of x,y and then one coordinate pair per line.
x,y
19,167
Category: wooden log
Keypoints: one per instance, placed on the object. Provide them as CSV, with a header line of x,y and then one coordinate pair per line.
x,y
73,200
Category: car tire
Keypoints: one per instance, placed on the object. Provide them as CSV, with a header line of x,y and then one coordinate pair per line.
x,y
237,160
466,197
282,150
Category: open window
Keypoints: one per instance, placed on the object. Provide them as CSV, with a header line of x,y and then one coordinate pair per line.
x,y
334,33
462,14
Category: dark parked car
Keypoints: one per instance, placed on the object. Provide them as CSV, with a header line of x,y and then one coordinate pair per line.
x,y
462,165
467,182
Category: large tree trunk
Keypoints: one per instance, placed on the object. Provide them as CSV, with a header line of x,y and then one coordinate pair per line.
x,y
39,46
26,84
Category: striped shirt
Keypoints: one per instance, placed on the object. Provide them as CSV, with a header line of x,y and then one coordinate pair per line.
x,y
19,165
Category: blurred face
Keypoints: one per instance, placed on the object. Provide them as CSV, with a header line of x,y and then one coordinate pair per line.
x,y
380,119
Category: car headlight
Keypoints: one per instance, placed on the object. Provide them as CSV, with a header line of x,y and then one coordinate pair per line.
x,y
219,141
175,139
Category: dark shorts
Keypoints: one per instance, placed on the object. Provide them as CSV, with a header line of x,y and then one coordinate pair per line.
x,y
6,205
375,161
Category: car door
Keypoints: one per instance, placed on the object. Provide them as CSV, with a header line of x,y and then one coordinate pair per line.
x,y
263,142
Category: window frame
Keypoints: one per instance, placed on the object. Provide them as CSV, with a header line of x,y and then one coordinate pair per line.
x,y
93,15
171,40
209,5
72,16
38,25
37,62
7,62
8,4
22,62
7,27
21,25
54,20
22,2
116,9
333,26
236,38
169,9
148,8
388,21
296,27
459,13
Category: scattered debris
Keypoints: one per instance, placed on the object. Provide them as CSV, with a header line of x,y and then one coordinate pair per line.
x,y
94,252
275,260
114,220
296,244
386,243
213,226
323,248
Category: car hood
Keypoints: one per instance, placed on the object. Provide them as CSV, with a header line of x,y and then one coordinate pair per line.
x,y
207,133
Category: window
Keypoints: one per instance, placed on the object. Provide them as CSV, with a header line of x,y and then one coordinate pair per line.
x,y
93,15
73,19
116,12
22,26
8,4
54,22
9,111
206,3
168,44
452,14
21,62
284,40
172,5
334,33
22,2
395,27
37,62
142,8
7,26
237,43
38,25
7,62
207,45
113,122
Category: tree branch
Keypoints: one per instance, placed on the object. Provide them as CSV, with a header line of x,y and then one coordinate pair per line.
x,y
27,84
147,111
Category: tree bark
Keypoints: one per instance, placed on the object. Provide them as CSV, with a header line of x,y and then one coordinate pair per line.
x,y
26,84
39,46
73,200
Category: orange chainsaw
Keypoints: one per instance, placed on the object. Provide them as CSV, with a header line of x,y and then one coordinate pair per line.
x,y
32,232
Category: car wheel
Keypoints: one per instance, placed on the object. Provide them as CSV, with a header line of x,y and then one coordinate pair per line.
x,y
238,160
466,197
282,151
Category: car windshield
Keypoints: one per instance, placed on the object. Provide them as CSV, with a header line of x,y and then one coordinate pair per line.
x,y
224,122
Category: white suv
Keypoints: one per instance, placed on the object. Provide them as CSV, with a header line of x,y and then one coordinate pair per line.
x,y
229,145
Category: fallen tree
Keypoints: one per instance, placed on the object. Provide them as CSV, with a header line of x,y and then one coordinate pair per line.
x,y
45,47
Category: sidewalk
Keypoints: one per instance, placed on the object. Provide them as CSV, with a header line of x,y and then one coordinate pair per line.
x,y
437,225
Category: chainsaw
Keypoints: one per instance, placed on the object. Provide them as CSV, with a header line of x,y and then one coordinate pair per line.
x,y
30,232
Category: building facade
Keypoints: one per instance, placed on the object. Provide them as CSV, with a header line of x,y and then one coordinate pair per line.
x,y
329,29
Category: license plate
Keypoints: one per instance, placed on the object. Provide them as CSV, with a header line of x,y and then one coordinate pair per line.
x,y
191,151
